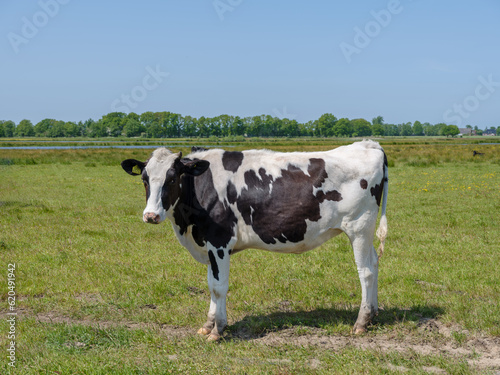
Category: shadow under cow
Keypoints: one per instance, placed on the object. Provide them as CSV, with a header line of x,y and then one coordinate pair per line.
x,y
257,326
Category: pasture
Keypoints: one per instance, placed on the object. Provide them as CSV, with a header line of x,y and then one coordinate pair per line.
x,y
99,292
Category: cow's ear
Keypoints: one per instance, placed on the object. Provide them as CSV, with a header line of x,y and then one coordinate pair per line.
x,y
133,167
194,167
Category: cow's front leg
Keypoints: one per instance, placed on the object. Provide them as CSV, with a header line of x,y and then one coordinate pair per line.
x,y
218,283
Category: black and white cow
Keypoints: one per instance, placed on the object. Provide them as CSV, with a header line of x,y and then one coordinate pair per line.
x,y
221,202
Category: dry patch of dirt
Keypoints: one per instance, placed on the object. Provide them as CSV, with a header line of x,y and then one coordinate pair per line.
x,y
433,337
481,352
52,317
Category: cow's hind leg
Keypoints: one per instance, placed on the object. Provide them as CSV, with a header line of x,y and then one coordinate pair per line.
x,y
218,282
367,265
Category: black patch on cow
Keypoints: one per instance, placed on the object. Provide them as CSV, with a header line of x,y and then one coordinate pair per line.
x,y
278,209
213,263
199,207
364,184
220,253
170,189
145,181
231,192
230,251
231,160
333,195
377,190
386,165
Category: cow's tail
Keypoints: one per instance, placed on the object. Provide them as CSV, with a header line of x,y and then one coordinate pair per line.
x,y
382,227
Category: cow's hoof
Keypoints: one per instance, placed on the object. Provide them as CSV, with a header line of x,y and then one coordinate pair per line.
x,y
358,329
204,331
213,337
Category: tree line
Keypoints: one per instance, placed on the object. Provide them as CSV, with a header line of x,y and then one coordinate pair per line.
x,y
174,125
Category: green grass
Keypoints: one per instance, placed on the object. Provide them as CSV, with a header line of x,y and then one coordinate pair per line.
x,y
71,221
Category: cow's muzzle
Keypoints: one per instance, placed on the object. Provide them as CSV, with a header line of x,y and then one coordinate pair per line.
x,y
151,218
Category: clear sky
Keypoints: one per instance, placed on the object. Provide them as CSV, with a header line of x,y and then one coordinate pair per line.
x,y
432,61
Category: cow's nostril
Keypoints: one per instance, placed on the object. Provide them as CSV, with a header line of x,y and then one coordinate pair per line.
x,y
151,218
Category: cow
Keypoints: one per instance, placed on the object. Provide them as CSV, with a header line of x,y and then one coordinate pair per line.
x,y
222,202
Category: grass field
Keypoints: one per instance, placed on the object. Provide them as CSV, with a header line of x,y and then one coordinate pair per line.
x,y
99,292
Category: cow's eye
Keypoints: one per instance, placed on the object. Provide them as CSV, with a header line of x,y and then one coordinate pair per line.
x,y
171,181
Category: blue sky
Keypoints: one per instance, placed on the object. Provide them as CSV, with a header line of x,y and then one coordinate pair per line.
x,y
432,61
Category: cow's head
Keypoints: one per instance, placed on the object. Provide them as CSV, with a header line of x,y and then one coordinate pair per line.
x,y
161,175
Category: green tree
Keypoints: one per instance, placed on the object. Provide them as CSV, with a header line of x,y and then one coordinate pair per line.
x,y
71,129
86,126
133,128
9,128
97,129
379,120
418,128
2,131
150,122
224,122
203,130
390,130
42,127
238,126
450,130
429,130
378,129
361,128
166,124
174,123
57,129
214,128
438,128
405,130
25,129
256,127
190,126
325,124
342,128
114,122
133,116
289,128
